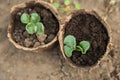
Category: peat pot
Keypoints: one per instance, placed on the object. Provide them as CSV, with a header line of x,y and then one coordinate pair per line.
x,y
17,33
88,26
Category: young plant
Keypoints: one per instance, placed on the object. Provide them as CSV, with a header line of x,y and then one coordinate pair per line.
x,y
77,5
33,24
56,5
67,7
70,45
67,2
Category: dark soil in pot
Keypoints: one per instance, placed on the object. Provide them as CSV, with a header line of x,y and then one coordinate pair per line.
x,y
50,22
87,27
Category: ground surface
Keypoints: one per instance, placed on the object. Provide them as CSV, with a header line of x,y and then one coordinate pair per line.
x,y
17,64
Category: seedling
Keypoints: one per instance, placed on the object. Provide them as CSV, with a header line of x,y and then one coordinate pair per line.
x,y
67,2
33,24
67,7
56,5
77,5
70,46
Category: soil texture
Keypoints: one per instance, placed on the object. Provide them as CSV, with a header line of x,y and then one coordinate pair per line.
x,y
85,26
50,22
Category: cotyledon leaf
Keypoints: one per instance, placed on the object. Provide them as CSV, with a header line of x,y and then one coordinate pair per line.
x,y
85,45
68,51
70,41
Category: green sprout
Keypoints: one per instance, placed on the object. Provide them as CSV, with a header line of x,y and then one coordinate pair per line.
x,y
33,24
77,6
67,6
67,2
56,5
70,46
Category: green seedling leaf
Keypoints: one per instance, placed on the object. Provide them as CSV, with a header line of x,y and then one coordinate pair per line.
x,y
25,18
85,45
40,28
34,17
70,41
68,51
67,2
77,5
56,5
30,28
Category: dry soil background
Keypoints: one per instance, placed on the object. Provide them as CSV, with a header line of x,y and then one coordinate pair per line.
x,y
22,65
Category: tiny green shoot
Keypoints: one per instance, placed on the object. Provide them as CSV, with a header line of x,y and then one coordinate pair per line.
x,y
67,2
70,46
33,24
56,5
67,6
77,6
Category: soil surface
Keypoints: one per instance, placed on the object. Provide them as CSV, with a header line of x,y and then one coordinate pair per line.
x,y
85,26
17,64
21,36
